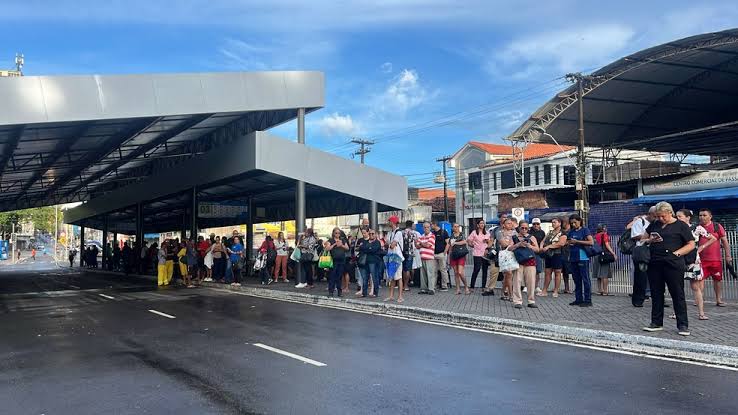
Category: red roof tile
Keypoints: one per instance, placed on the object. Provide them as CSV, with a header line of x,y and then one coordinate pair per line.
x,y
428,194
534,150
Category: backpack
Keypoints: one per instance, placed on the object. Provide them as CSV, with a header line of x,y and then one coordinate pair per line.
x,y
625,243
271,256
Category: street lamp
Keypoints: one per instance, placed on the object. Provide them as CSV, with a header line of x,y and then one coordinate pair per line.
x,y
582,204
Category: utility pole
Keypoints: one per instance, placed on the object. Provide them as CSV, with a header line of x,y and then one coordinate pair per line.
x,y
582,190
363,149
445,185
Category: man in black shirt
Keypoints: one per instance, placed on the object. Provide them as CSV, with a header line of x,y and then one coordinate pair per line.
x,y
442,240
540,235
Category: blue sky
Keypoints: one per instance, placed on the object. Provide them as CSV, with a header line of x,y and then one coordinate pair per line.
x,y
395,70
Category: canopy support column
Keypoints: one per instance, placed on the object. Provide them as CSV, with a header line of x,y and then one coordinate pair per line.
x,y
105,258
300,190
183,233
193,214
81,245
373,215
139,224
249,242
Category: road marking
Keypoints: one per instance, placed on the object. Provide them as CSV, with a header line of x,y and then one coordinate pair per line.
x,y
288,354
519,336
74,286
161,314
107,296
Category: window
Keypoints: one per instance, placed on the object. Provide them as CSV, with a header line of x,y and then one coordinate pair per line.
x,y
494,181
570,176
526,176
558,181
507,179
538,179
547,174
475,180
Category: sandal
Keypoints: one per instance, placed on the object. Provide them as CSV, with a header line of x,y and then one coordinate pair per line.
x,y
673,316
458,292
400,300
555,295
703,317
467,292
721,305
542,294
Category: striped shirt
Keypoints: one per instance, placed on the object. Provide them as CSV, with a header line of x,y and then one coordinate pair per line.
x,y
427,253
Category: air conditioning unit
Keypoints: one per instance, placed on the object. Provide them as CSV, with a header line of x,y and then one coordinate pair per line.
x,y
440,179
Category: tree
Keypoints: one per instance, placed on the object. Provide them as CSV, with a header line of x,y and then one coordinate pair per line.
x,y
42,218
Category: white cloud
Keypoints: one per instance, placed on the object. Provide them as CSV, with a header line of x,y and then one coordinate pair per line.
x,y
386,67
276,54
404,93
337,125
561,51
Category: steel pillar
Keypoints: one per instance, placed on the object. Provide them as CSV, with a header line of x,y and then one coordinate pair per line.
x,y
81,244
300,188
193,215
139,224
249,242
373,215
105,258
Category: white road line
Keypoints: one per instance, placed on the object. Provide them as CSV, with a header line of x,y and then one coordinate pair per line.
x,y
520,336
107,296
74,286
161,314
288,354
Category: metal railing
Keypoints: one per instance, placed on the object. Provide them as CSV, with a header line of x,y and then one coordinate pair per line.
x,y
622,273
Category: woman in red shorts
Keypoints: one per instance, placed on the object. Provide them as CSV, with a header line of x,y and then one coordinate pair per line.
x,y
457,240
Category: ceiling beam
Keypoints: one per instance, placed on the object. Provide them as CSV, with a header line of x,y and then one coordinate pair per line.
x,y
10,146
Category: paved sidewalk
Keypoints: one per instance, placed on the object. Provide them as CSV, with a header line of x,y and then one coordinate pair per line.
x,y
614,314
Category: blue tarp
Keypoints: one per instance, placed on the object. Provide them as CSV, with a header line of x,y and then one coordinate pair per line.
x,y
714,194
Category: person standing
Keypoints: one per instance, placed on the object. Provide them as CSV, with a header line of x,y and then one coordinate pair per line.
x,y
171,254
338,246
526,273
183,264
360,259
578,238
426,244
203,246
603,272
540,235
479,240
307,244
33,253
192,265
712,261
236,253
694,261
442,240
669,241
409,237
219,261
161,255
566,270
394,254
457,241
638,227
553,243
371,248
283,251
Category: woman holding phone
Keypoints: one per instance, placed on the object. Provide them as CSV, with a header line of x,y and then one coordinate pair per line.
x,y
669,241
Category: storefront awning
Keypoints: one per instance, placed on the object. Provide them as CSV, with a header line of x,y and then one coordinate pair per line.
x,y
713,194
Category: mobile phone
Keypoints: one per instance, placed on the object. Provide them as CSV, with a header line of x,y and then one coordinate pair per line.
x,y
655,235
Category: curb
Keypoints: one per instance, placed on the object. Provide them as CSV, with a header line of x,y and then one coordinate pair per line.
x,y
632,343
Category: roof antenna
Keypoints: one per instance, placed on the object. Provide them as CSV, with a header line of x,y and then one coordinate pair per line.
x,y
19,62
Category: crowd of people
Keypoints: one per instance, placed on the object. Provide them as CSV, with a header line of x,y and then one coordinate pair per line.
x,y
666,248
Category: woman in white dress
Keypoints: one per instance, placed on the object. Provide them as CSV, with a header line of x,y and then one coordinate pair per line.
x,y
694,266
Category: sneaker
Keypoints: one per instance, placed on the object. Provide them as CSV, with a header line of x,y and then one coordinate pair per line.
x,y
518,306
652,327
286,280
208,280
532,305
538,290
236,284
444,289
263,283
422,292
488,293
683,331
301,285
270,281
525,290
587,304
431,292
574,303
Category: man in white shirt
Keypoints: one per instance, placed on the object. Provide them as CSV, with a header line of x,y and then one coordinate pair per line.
x,y
637,229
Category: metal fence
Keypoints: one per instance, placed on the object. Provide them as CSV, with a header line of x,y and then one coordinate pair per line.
x,y
622,273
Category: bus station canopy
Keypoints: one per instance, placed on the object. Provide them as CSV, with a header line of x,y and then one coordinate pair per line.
x,y
678,97
106,140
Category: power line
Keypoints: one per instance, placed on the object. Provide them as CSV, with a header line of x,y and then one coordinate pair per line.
x,y
365,147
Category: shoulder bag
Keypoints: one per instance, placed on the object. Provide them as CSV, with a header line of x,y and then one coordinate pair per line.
x,y
606,257
523,254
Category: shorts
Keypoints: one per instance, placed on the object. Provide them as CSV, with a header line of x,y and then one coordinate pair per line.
x,y
554,262
407,265
458,261
712,269
200,262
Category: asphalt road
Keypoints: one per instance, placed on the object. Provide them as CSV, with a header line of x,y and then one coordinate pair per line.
x,y
99,349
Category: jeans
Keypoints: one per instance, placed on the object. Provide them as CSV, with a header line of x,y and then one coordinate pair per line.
x,y
442,265
660,274
640,282
307,272
428,275
582,282
370,269
334,278
228,271
483,264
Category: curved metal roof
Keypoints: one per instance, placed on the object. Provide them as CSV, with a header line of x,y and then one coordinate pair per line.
x,y
73,138
678,97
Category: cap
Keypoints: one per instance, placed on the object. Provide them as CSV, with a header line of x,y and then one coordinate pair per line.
x,y
536,220
394,219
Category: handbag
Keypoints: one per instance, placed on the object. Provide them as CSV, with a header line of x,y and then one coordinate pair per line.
x,y
306,257
606,257
507,261
459,251
295,255
641,254
626,243
592,250
326,260
523,254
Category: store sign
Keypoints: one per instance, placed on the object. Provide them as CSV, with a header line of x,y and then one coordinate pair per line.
x,y
518,213
222,210
708,180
